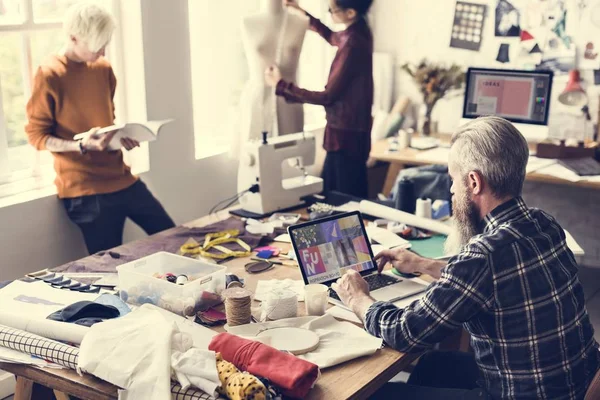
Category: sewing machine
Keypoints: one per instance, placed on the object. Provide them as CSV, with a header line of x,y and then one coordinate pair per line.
x,y
261,163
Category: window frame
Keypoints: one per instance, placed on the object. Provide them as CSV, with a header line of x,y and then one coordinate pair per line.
x,y
41,173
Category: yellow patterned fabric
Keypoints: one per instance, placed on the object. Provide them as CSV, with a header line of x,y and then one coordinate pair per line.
x,y
238,385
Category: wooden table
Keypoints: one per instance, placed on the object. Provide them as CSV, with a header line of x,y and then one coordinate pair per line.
x,y
356,379
408,157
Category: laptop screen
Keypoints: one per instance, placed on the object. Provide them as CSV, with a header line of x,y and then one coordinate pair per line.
x,y
329,247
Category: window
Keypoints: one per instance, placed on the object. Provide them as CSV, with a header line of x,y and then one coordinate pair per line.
x,y
219,69
30,31
315,61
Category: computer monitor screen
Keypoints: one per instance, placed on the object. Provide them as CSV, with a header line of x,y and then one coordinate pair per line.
x,y
327,248
518,96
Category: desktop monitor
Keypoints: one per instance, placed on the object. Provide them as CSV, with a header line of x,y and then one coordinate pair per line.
x,y
522,97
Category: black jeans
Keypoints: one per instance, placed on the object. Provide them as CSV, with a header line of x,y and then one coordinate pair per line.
x,y
448,375
101,217
345,174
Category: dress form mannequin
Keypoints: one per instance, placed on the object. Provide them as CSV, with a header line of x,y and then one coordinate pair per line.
x,y
273,36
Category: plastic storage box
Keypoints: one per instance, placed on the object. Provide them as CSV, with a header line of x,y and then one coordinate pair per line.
x,y
206,281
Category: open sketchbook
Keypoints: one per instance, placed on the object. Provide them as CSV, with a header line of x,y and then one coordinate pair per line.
x,y
140,131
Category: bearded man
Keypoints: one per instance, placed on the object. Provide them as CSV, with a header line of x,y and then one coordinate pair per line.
x,y
513,285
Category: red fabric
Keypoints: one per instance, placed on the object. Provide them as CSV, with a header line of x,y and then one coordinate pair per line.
x,y
293,375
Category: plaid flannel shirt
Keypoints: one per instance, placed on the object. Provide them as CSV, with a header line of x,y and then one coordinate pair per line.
x,y
515,289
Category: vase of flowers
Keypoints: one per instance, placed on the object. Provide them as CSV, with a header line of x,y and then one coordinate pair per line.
x,y
434,82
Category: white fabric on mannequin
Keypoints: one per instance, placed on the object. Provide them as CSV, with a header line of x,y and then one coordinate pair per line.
x,y
273,36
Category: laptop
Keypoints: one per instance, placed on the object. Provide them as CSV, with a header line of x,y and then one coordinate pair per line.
x,y
326,248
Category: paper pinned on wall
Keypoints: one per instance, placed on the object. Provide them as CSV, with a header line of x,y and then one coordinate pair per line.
x,y
544,36
588,35
503,53
508,19
559,61
467,28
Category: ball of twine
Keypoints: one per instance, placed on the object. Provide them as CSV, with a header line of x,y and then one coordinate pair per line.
x,y
280,304
237,306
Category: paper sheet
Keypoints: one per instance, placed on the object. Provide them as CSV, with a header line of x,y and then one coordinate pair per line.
x,y
424,143
439,155
561,172
386,238
380,211
284,238
38,299
348,207
16,357
534,163
339,341
262,228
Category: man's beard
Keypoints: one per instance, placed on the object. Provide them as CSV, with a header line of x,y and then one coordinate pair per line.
x,y
466,224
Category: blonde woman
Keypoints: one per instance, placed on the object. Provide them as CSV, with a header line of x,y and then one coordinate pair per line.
x,y
73,93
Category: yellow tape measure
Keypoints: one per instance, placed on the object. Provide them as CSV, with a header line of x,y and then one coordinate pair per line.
x,y
214,241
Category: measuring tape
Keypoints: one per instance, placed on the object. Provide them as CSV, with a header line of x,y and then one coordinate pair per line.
x,y
214,241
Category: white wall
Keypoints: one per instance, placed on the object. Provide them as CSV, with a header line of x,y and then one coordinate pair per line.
x,y
187,187
38,234
413,30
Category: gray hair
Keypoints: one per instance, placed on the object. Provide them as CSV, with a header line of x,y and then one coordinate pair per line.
x,y
89,22
493,147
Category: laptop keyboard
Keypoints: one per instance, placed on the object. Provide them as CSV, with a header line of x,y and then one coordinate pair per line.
x,y
334,295
375,281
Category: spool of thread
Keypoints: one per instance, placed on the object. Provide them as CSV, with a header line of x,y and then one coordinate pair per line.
x,y
237,306
404,139
423,208
280,304
232,281
405,196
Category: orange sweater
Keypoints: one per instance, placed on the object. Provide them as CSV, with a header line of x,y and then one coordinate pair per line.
x,y
70,98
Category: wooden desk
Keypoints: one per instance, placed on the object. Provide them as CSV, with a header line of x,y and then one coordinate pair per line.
x,y
356,379
407,157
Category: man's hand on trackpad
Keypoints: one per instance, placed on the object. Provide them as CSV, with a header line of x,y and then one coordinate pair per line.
x,y
353,291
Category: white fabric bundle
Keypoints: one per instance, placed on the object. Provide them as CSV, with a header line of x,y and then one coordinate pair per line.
x,y
137,352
